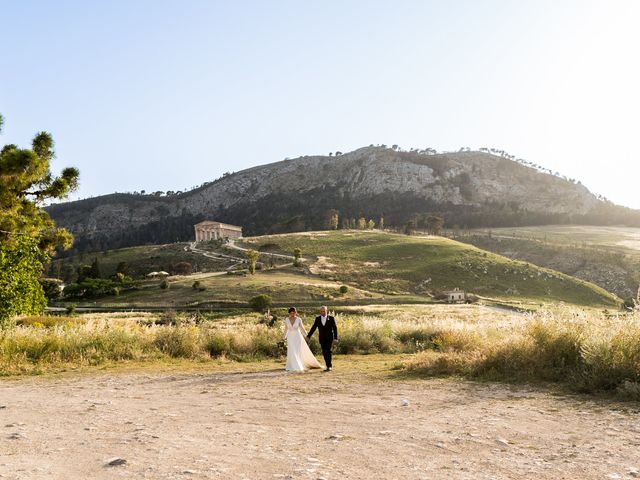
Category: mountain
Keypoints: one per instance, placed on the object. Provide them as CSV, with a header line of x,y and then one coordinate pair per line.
x,y
468,189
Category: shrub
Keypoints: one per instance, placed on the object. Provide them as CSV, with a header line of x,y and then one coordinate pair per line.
x,y
182,268
260,303
20,267
343,289
297,255
168,317
51,288
215,344
252,259
164,284
95,287
178,342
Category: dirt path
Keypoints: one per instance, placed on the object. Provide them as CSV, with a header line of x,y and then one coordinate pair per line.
x,y
341,425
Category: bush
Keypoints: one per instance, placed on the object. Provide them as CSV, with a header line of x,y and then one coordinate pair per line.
x,y
178,342
215,344
51,287
343,289
182,268
96,287
20,267
260,303
164,284
168,317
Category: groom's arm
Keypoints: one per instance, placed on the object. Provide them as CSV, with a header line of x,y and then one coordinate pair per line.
x,y
313,329
334,327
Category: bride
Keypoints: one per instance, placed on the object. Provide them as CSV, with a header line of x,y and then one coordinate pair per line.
x,y
299,356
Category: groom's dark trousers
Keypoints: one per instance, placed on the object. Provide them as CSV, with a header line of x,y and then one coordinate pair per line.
x,y
327,333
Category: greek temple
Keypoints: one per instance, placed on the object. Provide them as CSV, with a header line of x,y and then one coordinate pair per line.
x,y
210,230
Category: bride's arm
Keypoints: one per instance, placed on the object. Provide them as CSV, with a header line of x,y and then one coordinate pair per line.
x,y
304,332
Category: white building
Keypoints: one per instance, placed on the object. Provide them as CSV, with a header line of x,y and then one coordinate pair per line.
x,y
455,295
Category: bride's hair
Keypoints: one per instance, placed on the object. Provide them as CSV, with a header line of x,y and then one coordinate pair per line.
x,y
292,309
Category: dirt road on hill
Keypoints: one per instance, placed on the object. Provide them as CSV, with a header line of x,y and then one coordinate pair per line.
x,y
342,425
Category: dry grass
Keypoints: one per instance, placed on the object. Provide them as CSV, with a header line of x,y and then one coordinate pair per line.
x,y
586,350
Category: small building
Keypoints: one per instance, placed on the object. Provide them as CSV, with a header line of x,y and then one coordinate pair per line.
x,y
455,295
210,230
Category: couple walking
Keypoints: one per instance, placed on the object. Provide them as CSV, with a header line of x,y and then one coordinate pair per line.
x,y
299,356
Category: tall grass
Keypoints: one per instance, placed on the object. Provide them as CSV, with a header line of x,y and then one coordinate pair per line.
x,y
590,353
587,350
43,343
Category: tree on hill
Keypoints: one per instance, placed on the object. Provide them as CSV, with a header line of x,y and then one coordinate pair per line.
x,y
410,227
94,271
123,268
182,268
252,259
331,220
28,236
435,224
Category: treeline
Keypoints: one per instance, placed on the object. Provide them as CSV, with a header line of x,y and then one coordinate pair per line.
x,y
331,208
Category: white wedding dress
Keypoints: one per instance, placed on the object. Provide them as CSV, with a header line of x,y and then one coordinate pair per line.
x,y
299,356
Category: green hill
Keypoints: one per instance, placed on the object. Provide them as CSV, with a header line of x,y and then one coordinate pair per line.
x,y
377,266
398,264
138,261
606,256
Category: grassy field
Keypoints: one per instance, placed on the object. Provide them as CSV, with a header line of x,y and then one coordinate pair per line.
x,y
620,239
398,264
582,349
141,260
374,265
606,256
284,286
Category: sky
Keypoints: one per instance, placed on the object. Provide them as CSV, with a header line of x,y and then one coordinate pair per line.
x,y
165,95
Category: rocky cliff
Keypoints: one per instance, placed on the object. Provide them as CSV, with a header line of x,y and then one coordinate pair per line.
x,y
466,188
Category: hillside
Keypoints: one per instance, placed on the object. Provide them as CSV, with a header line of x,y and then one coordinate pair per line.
x,y
468,189
376,266
606,256
399,264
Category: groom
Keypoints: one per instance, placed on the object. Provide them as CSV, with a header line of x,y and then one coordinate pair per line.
x,y
328,333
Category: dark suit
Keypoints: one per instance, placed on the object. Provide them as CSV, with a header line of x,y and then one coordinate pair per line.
x,y
327,333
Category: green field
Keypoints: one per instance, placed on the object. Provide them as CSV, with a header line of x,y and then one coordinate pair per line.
x,y
140,260
376,266
621,239
282,286
394,264
606,256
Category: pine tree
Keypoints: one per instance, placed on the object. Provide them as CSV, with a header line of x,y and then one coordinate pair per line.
x,y
27,234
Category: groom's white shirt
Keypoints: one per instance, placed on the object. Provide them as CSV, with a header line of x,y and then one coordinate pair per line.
x,y
323,320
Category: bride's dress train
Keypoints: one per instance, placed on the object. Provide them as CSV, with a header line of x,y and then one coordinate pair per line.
x,y
299,356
